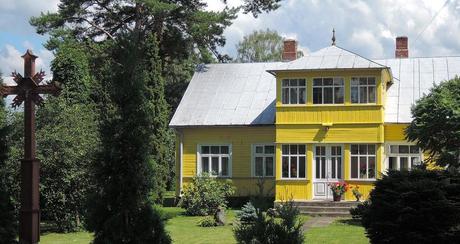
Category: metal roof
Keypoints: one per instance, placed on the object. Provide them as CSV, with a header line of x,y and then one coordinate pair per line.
x,y
413,77
244,94
332,57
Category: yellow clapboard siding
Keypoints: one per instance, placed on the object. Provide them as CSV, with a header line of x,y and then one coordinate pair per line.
x,y
293,190
395,132
247,186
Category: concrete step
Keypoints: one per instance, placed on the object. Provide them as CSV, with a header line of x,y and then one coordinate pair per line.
x,y
348,204
320,209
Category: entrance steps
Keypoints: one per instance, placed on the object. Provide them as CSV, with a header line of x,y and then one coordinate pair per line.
x,y
326,208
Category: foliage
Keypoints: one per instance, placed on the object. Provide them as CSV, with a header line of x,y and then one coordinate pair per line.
x,y
417,206
67,140
8,223
436,123
356,192
207,221
338,188
260,46
120,210
265,228
248,213
204,195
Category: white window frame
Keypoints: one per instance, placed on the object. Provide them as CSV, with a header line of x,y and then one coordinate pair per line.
x,y
264,155
297,87
359,86
399,155
289,155
220,155
367,155
333,86
328,155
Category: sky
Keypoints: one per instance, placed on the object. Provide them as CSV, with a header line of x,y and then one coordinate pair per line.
x,y
368,28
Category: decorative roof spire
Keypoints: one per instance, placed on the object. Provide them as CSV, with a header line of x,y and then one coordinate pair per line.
x,y
333,37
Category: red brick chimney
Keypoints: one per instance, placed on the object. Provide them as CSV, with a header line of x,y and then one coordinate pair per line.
x,y
402,47
289,50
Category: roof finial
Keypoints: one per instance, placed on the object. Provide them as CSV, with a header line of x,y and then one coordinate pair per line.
x,y
333,37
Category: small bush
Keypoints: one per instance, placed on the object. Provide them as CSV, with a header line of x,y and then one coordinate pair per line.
x,y
204,195
286,227
8,223
207,221
417,206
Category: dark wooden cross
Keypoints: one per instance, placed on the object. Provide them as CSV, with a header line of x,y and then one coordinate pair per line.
x,y
28,90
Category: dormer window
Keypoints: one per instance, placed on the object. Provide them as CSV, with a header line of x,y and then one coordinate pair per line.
x,y
363,90
293,91
328,90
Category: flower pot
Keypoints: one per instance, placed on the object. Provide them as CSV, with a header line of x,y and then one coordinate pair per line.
x,y
337,197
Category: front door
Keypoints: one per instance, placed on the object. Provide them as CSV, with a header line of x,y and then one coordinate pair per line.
x,y
327,168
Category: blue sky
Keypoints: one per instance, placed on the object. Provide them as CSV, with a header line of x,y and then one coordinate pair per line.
x,y
365,27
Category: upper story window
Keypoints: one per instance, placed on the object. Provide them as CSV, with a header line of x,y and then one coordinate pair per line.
x,y
264,160
363,90
293,160
363,164
215,160
293,91
403,157
328,90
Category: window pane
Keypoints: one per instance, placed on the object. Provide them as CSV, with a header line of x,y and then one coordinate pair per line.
x,y
302,96
363,94
259,149
339,168
269,149
394,148
204,164
327,95
354,167
333,168
285,82
215,165
414,161
204,149
354,94
354,81
285,96
215,149
317,96
362,149
285,149
225,166
371,149
317,82
327,81
362,168
302,149
317,167
285,167
354,149
224,149
414,149
338,81
403,149
363,80
404,163
293,82
293,167
371,80
371,94
338,95
302,82
293,98
371,169
323,167
259,167
302,167
269,166
392,164
293,149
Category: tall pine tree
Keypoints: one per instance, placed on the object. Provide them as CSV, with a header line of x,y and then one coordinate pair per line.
x,y
122,210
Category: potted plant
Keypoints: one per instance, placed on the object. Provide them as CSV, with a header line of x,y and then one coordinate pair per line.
x,y
338,189
356,193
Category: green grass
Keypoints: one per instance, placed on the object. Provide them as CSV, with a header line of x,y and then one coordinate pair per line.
x,y
185,229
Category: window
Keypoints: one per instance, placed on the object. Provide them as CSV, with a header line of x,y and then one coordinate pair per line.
x,y
404,157
215,160
293,161
328,90
264,160
363,90
293,91
363,161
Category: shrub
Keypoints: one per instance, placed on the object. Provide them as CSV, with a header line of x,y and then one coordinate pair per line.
x,y
204,195
283,227
8,224
207,221
417,206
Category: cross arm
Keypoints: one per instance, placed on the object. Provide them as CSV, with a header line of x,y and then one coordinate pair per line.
x,y
8,90
51,88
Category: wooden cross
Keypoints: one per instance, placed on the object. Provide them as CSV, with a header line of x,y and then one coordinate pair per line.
x,y
28,90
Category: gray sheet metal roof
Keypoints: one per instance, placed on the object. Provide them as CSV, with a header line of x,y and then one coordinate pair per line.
x,y
413,77
332,57
229,94
244,94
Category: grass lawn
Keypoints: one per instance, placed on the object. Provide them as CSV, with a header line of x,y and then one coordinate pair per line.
x,y
185,229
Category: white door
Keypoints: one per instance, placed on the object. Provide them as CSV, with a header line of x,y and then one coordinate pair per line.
x,y
327,168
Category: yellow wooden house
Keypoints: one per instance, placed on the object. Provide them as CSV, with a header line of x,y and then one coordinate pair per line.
x,y
297,125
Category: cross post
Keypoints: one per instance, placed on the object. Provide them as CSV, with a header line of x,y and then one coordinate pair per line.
x,y
28,90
